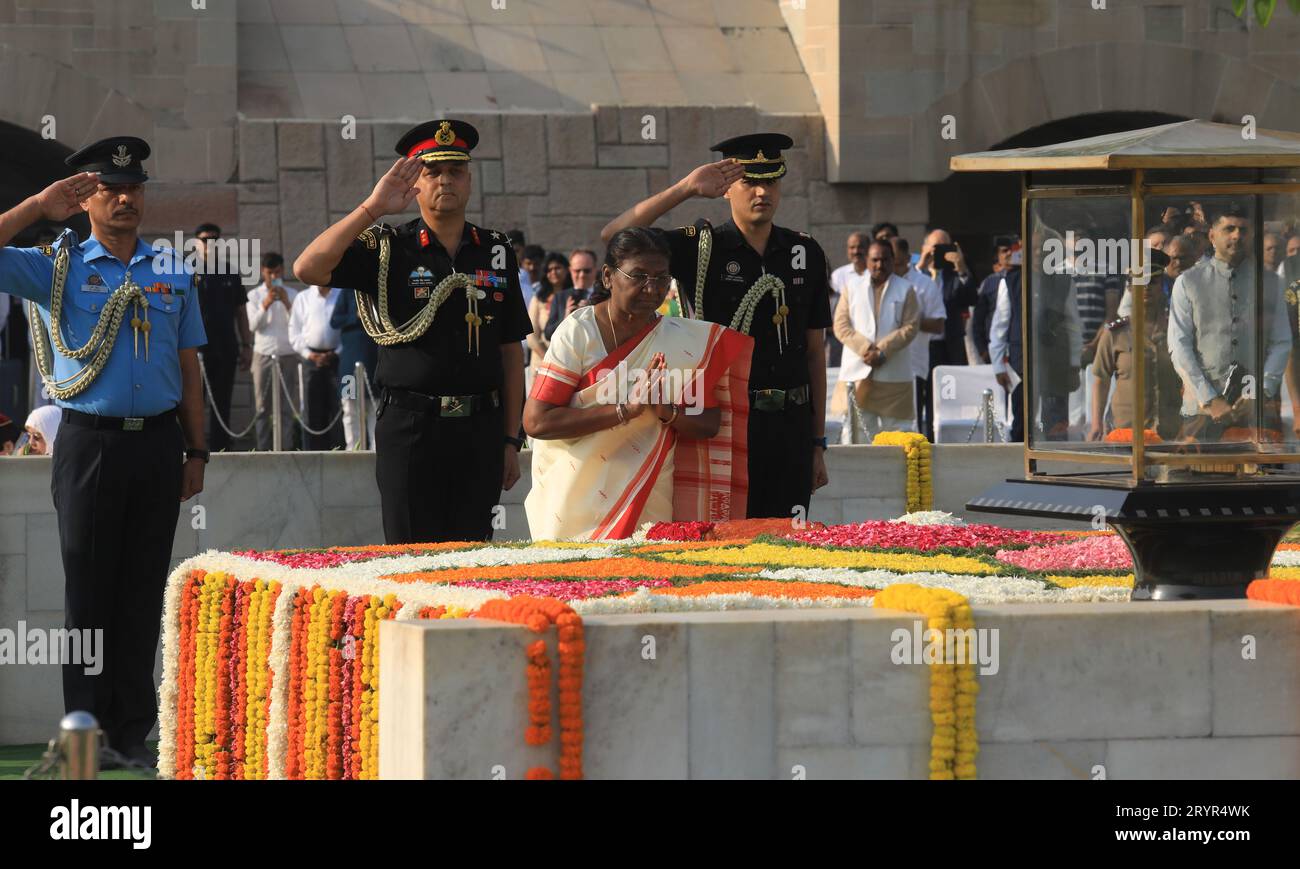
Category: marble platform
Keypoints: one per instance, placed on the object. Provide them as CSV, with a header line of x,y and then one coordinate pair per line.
x,y
1082,691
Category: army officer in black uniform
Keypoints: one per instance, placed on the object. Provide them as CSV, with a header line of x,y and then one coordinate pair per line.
x,y
787,317
442,299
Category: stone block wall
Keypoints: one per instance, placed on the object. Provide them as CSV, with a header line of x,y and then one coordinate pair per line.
x,y
1081,691
888,73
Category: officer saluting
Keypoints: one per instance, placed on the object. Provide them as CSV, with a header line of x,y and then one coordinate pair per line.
x,y
771,283
441,297
114,326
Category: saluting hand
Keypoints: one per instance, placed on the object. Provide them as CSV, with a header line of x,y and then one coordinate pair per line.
x,y
62,199
396,190
714,179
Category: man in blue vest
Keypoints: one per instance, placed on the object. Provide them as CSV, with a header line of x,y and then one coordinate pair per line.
x,y
116,330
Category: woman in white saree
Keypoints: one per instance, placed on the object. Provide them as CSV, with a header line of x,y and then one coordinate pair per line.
x,y
636,417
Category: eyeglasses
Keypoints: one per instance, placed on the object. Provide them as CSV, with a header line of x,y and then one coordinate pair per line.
x,y
644,281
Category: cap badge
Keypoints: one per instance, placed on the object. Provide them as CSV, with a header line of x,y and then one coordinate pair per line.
x,y
122,157
444,136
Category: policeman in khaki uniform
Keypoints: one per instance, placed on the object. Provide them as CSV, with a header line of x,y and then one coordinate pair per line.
x,y
115,327
441,297
771,283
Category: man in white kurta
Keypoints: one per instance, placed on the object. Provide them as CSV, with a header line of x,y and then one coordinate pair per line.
x,y
877,317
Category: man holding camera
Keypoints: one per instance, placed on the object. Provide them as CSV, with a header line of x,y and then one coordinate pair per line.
x,y
944,263
582,269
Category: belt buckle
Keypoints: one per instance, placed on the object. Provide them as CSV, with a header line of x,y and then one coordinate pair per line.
x,y
769,400
454,406
133,423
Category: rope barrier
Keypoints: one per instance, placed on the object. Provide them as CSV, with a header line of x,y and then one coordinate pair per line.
x,y
302,422
212,404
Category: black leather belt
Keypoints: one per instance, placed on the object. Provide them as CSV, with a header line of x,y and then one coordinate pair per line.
x,y
445,405
118,423
776,400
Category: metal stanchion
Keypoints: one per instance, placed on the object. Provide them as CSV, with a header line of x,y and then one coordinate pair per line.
x,y
302,396
360,386
277,434
79,746
989,426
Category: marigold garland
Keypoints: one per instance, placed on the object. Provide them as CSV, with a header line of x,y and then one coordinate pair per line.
x,y
954,743
537,614
282,681
1285,591
920,486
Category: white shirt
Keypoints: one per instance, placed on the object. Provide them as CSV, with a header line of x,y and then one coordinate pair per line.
x,y
999,339
840,278
270,326
309,322
847,276
930,299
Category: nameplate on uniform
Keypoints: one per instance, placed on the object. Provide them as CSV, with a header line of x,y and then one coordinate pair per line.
x,y
94,288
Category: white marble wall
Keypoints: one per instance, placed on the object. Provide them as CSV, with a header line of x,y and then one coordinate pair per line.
x,y
278,501
1121,690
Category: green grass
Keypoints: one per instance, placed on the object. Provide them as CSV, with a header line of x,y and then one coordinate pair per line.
x,y
17,759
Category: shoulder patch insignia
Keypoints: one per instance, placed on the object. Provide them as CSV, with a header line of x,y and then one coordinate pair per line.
x,y
368,238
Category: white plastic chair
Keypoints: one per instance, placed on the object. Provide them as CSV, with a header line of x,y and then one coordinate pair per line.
x,y
958,400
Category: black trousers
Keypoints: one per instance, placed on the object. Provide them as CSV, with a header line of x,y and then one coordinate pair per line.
x,y
221,377
780,462
439,477
117,495
322,405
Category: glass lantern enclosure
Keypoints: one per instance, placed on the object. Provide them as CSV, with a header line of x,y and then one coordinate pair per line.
x,y
1155,346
